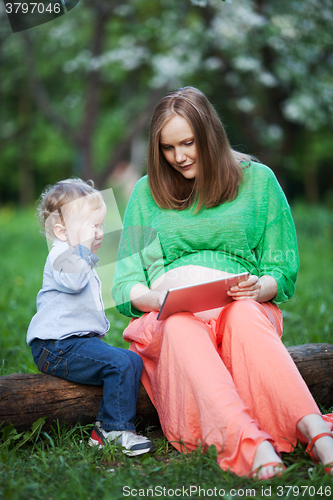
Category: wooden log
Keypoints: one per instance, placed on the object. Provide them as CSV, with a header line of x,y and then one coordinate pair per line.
x,y
315,363
26,397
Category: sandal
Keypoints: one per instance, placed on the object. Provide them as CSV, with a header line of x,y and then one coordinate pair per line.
x,y
311,452
276,465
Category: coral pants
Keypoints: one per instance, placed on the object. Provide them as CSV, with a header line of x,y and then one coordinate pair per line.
x,y
229,382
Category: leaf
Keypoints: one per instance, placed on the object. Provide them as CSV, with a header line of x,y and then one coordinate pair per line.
x,y
212,452
146,458
35,429
9,434
8,431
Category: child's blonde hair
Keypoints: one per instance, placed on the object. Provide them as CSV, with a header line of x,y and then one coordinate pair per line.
x,y
54,198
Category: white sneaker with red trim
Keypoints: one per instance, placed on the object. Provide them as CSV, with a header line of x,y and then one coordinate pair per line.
x,y
132,443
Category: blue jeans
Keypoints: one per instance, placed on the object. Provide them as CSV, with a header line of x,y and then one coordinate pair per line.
x,y
92,361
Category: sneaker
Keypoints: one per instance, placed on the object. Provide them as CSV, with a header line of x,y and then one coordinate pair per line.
x,y
132,443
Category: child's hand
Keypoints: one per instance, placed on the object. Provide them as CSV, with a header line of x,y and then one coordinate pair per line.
x,y
87,235
80,232
85,227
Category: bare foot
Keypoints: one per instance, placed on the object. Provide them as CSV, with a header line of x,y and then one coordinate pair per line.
x,y
266,455
312,425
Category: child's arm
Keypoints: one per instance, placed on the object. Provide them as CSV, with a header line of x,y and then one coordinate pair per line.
x,y
71,268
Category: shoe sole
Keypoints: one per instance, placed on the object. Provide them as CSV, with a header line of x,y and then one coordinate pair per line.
x,y
93,442
133,453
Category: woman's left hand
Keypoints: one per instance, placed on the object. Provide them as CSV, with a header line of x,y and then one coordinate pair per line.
x,y
249,289
260,289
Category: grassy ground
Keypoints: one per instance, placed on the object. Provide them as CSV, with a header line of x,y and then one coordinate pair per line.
x,y
59,464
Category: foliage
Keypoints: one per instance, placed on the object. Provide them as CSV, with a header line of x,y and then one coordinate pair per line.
x,y
10,435
77,92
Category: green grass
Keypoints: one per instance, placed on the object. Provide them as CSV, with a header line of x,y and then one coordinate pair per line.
x,y
60,465
308,315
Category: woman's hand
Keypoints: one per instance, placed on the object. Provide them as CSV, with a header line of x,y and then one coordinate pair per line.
x,y
260,289
249,289
161,298
146,300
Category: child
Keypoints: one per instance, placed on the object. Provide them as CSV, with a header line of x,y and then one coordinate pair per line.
x,y
66,333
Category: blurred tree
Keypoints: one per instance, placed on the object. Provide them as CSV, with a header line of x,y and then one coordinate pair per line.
x,y
78,92
275,60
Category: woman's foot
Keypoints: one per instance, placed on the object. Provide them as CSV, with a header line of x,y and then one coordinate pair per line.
x,y
267,463
311,426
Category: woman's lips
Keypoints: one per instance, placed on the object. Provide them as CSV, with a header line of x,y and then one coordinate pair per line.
x,y
186,167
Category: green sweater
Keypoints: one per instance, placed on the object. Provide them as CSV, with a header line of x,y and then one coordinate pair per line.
x,y
254,233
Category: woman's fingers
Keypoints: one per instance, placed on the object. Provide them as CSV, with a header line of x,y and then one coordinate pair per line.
x,y
249,289
251,281
250,284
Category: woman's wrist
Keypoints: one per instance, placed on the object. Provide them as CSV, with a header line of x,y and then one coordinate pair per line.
x,y
268,288
146,300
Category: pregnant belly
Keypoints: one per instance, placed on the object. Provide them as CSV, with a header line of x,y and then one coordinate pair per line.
x,y
190,275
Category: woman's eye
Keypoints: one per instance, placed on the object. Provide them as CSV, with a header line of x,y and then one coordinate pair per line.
x,y
189,143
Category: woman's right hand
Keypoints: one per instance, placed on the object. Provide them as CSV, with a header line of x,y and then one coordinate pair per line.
x,y
161,298
146,300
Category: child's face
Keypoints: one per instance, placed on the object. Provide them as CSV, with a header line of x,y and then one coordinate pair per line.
x,y
84,225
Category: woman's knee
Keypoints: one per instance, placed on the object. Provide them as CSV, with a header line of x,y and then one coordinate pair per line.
x,y
237,318
243,319
178,327
242,309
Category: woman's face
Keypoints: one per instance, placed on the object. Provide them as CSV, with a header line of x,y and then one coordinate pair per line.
x,y
178,146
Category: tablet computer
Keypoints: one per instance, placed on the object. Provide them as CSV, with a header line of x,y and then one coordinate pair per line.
x,y
199,297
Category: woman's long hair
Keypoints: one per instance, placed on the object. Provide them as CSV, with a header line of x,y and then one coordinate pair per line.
x,y
220,171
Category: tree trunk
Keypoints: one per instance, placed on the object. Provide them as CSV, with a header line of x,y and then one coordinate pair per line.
x,y
26,397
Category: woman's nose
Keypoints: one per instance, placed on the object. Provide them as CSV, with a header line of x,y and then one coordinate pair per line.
x,y
180,155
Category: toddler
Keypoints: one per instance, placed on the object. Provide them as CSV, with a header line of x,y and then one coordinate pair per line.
x,y
66,333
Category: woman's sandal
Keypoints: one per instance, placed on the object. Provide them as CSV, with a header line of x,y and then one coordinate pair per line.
x,y
312,454
276,465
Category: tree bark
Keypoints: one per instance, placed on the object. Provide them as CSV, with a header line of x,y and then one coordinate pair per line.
x,y
315,363
26,397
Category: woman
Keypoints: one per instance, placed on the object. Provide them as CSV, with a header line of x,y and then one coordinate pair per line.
x,y
223,376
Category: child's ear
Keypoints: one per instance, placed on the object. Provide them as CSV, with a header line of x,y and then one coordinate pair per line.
x,y
60,232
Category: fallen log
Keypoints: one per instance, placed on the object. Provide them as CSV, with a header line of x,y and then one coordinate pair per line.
x,y
315,363
25,397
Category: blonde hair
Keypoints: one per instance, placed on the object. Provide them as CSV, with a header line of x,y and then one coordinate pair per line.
x,y
220,171
52,202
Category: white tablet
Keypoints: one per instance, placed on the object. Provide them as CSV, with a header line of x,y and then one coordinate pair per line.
x,y
199,297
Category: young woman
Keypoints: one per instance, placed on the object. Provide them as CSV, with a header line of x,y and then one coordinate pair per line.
x,y
222,376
